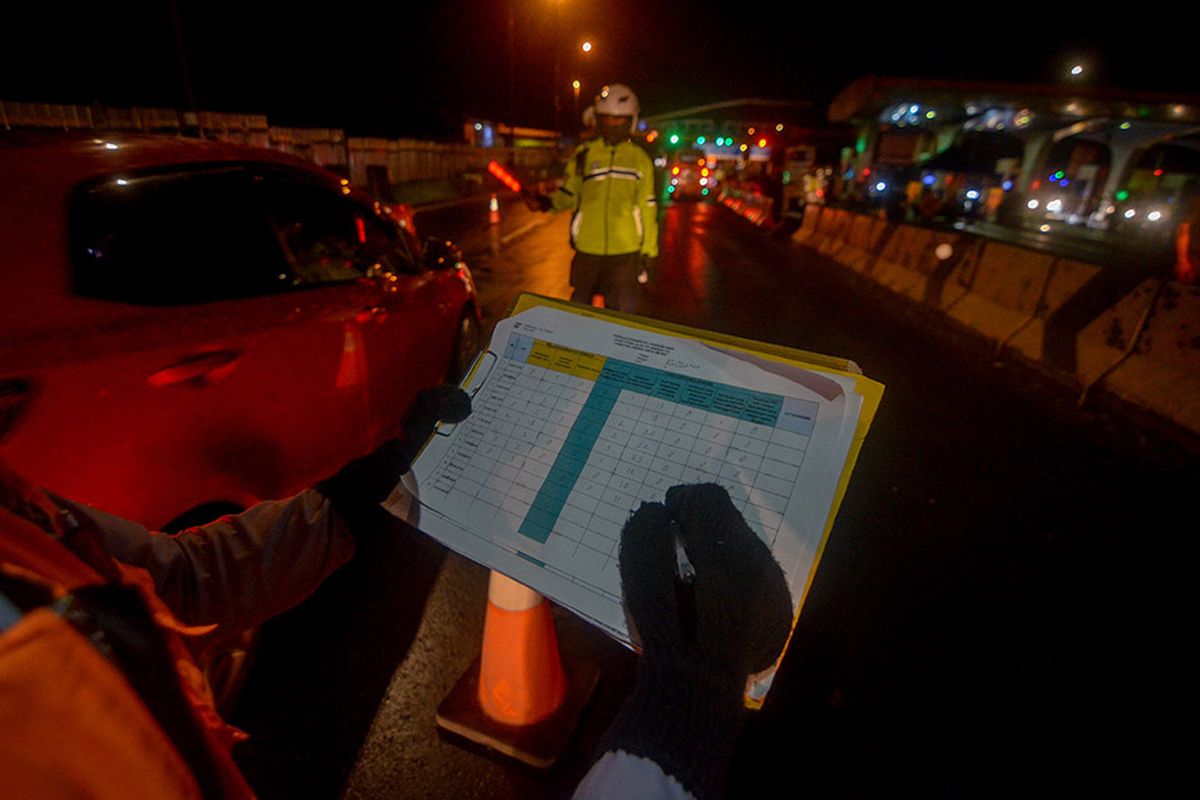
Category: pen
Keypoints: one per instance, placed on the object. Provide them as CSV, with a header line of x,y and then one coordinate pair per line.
x,y
685,592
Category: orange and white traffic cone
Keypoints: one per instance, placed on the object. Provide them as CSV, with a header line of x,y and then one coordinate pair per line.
x,y
494,210
519,698
521,678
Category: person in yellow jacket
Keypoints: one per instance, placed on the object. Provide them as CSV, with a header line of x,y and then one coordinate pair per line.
x,y
609,187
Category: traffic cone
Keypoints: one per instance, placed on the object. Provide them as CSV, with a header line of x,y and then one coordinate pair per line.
x,y
494,210
519,697
521,678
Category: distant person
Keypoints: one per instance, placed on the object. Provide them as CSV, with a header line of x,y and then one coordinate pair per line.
x,y
931,203
609,187
772,186
1187,237
913,191
992,202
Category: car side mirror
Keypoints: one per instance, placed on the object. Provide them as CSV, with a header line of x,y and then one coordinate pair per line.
x,y
441,254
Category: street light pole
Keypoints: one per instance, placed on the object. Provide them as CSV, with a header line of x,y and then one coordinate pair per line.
x,y
557,45
512,66
557,93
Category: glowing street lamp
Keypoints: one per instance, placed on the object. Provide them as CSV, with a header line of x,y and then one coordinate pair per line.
x,y
586,47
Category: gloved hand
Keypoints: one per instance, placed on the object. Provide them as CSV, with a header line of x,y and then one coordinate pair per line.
x,y
360,486
686,709
535,200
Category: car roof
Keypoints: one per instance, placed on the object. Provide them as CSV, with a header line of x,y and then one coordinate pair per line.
x,y
67,158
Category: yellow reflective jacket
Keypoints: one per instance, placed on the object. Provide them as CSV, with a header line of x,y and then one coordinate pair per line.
x,y
611,191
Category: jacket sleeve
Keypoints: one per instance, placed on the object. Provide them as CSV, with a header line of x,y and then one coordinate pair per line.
x,y
648,201
566,198
618,775
239,570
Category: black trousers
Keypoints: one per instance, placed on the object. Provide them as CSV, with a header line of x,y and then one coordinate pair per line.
x,y
615,277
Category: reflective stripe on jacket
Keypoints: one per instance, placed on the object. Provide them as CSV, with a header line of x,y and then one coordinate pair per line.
x,y
611,191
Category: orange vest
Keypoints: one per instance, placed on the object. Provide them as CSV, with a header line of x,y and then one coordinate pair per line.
x,y
74,725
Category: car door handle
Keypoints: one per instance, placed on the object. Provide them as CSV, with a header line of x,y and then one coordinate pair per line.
x,y
212,365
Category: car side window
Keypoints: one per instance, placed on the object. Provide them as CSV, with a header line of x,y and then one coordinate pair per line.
x,y
173,237
327,236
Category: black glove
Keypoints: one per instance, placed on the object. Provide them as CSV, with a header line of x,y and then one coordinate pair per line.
x,y
535,200
686,709
358,488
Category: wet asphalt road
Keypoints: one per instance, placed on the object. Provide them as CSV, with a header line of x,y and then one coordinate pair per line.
x,y
999,609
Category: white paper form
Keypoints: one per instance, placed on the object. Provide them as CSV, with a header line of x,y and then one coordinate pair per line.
x,y
576,421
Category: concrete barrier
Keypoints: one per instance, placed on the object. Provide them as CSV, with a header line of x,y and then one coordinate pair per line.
x,y
749,203
1162,369
864,236
903,261
1067,279
1107,340
832,233
928,266
808,226
1137,339
1005,291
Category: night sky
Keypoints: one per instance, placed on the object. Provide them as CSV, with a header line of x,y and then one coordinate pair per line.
x,y
418,69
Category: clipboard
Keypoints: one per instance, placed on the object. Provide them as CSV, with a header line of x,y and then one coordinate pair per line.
x,y
661,366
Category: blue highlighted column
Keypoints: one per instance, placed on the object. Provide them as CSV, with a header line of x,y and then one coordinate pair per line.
x,y
568,465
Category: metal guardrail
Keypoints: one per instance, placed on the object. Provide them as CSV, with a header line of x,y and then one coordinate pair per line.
x,y
396,161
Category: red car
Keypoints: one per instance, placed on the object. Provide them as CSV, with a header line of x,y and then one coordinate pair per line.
x,y
188,327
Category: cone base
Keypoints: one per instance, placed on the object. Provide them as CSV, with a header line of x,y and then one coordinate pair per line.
x,y
538,745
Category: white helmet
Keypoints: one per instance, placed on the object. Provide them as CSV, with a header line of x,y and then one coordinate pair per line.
x,y
618,100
